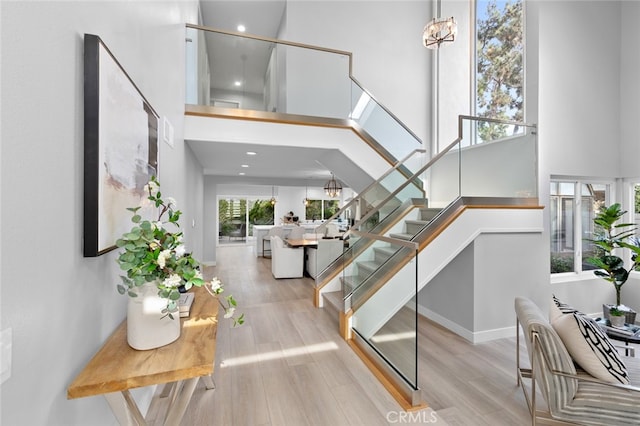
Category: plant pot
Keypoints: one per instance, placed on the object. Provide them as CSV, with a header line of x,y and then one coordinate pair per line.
x,y
147,326
617,320
630,316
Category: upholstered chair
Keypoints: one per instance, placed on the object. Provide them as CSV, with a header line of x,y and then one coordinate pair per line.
x,y
286,262
319,258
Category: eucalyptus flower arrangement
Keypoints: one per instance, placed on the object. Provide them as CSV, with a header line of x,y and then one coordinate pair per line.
x,y
153,253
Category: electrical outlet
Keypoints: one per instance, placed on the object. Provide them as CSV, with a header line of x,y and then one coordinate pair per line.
x,y
5,355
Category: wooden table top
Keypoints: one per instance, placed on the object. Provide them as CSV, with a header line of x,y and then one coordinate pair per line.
x,y
302,243
117,366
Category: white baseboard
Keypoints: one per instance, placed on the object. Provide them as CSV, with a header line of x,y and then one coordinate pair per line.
x,y
473,337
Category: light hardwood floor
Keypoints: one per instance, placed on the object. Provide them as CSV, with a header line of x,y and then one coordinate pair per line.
x,y
288,366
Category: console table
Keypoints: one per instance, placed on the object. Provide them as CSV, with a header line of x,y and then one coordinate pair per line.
x,y
117,367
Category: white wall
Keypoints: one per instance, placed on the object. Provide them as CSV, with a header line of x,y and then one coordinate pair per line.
x,y
588,107
60,306
630,88
385,39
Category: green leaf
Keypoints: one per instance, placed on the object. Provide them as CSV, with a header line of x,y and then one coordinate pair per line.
x,y
136,218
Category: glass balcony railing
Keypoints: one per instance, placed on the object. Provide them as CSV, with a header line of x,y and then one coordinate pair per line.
x,y
240,71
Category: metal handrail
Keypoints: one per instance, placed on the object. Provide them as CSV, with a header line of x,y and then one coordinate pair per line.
x,y
461,118
273,40
368,188
311,47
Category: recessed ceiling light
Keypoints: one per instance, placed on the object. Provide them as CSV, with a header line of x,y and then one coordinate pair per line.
x,y
237,83
241,173
244,165
241,28
251,153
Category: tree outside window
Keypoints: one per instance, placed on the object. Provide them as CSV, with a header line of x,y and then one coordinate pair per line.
x,y
321,209
499,62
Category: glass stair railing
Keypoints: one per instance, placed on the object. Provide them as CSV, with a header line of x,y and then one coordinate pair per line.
x,y
373,209
293,83
380,268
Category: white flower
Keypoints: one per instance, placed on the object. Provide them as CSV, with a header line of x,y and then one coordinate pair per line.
x,y
216,286
180,251
162,258
173,280
229,312
151,187
171,202
198,274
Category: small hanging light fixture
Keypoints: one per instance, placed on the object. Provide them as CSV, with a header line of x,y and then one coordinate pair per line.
x,y
439,30
273,198
306,196
333,187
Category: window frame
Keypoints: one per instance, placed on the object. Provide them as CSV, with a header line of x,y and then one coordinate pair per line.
x,y
610,197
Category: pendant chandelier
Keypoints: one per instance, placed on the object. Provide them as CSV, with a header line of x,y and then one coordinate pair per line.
x,y
439,30
273,198
306,197
333,187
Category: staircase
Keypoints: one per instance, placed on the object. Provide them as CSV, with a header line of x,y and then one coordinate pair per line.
x,y
397,246
364,269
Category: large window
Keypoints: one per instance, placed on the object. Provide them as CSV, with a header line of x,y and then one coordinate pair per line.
x,y
321,209
499,67
573,205
236,216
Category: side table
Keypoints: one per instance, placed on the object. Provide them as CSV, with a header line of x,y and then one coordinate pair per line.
x,y
117,367
629,334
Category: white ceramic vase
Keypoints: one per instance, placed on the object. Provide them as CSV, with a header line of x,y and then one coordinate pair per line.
x,y
147,326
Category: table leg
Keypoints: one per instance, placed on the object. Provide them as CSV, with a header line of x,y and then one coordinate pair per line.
x,y
166,390
208,382
125,408
178,407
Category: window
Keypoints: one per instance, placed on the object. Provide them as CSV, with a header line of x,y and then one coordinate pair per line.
x,y
236,212
499,78
573,205
321,209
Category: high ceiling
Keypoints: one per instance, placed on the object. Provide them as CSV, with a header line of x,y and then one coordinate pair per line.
x,y
225,158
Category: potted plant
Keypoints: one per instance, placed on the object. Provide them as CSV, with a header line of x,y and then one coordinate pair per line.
x,y
610,237
157,266
617,317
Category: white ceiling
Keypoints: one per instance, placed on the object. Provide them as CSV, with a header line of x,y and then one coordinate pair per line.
x,y
225,158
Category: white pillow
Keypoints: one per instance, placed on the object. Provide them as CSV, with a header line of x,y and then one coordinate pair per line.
x,y
590,348
558,309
